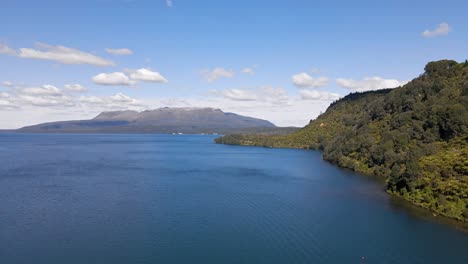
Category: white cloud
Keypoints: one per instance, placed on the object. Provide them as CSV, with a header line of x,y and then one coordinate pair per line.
x,y
7,50
304,80
273,95
314,70
62,54
46,101
77,88
147,75
217,73
169,3
318,95
123,51
114,78
248,71
43,96
49,104
117,101
122,98
5,102
265,94
47,90
91,100
7,84
292,112
369,84
441,30
237,94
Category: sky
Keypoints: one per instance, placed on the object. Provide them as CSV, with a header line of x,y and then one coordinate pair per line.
x,y
284,61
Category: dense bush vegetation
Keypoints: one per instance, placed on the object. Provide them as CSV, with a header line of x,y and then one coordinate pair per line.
x,y
415,136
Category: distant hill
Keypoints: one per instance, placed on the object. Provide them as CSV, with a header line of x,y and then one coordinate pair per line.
x,y
415,136
162,120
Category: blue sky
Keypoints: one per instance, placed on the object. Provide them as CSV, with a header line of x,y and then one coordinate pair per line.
x,y
299,55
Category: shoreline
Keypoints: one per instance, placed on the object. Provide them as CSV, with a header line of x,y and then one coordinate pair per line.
x,y
429,213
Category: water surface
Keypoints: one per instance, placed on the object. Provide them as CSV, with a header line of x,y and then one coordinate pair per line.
x,y
182,199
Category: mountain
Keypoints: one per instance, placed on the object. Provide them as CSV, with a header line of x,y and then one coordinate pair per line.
x,y
162,120
415,136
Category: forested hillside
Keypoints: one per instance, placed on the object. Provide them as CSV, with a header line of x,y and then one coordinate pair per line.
x,y
416,136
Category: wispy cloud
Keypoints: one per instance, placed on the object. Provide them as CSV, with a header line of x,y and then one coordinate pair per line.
x,y
441,30
169,3
59,54
75,88
123,51
248,70
117,101
314,70
236,94
216,74
265,94
43,96
6,102
4,49
369,84
7,84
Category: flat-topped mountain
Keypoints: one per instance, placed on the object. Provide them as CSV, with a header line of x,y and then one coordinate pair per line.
x,y
199,117
161,120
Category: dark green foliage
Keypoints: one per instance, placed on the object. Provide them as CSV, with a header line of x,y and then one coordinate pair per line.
x,y
415,136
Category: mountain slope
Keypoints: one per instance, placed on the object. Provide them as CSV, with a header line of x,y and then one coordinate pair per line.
x,y
162,120
415,136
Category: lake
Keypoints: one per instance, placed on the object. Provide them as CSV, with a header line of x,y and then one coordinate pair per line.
x,y
183,199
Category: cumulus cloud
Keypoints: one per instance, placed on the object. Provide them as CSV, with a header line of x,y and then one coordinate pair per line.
x,y
146,75
117,101
57,53
76,88
4,49
94,100
7,84
265,94
237,94
217,73
304,80
51,104
369,84
441,30
6,102
46,89
293,111
318,95
248,71
273,95
122,98
123,51
31,105
114,78
45,95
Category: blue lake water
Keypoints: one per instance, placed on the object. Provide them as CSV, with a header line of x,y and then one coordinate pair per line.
x,y
183,199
